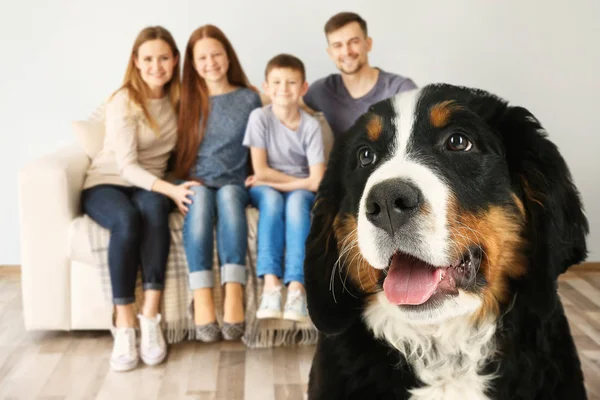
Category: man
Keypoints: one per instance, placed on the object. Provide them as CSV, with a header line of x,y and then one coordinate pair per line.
x,y
346,96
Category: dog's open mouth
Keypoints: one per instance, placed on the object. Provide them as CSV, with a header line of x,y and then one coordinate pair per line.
x,y
411,281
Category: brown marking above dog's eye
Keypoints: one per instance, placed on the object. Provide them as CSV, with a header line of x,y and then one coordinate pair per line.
x,y
374,128
440,113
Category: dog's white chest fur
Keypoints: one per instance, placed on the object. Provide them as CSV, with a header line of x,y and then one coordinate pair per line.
x,y
447,357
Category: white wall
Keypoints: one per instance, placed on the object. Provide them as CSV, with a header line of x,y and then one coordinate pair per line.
x,y
60,59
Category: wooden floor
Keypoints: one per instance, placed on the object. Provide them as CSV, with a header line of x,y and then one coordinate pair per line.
x,y
62,365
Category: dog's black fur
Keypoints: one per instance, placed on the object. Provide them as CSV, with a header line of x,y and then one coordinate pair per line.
x,y
536,356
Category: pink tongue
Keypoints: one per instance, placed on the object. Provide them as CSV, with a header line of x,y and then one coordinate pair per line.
x,y
410,281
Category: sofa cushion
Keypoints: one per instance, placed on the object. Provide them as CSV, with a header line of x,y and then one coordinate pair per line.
x,y
327,134
90,135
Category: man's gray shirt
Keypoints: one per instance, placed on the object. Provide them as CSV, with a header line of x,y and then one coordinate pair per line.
x,y
330,96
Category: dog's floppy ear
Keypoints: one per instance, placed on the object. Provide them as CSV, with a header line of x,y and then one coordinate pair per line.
x,y
331,307
556,224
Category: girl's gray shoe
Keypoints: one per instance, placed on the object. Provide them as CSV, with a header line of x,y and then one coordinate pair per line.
x,y
208,333
233,331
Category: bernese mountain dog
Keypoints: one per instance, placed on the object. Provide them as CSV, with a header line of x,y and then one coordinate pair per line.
x,y
439,230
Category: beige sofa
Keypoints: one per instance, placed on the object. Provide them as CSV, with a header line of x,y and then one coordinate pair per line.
x,y
61,288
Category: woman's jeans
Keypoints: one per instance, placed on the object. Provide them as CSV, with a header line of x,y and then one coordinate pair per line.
x,y
283,222
138,221
226,205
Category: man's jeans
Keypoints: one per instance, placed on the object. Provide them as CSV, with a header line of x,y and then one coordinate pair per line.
x,y
283,222
228,206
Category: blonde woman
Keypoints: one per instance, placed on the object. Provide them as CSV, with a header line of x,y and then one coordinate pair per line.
x,y
125,193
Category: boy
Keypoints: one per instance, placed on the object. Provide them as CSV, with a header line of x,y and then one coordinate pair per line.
x,y
286,147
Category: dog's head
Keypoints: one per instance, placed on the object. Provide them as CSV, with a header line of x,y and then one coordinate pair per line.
x,y
439,198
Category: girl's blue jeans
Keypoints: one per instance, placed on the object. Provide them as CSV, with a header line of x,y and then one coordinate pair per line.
x,y
227,207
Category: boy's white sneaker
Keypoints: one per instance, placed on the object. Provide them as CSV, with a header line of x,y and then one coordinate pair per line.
x,y
270,304
295,306
153,348
124,355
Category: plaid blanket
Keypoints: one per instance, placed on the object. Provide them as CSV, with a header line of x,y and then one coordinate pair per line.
x,y
176,302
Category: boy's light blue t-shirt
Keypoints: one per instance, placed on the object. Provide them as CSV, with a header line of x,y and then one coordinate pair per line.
x,y
288,151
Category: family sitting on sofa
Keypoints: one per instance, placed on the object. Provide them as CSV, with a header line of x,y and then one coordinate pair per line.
x,y
208,122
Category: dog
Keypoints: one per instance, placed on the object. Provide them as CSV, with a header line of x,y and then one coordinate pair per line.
x,y
439,230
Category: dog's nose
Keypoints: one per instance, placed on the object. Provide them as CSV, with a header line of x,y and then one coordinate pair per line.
x,y
391,203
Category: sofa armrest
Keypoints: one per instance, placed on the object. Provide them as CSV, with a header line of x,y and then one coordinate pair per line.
x,y
49,196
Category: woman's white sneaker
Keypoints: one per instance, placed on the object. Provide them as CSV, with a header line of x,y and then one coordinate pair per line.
x,y
124,356
153,348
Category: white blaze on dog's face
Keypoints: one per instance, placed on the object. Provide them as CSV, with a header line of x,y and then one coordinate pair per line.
x,y
436,218
403,168
398,186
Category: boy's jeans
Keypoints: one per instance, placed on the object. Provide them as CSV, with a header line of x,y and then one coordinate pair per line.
x,y
228,205
283,222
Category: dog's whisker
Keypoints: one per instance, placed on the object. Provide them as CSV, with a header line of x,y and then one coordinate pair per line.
x,y
349,243
481,237
468,240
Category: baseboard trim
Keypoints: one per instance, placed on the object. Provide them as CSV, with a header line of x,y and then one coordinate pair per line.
x,y
587,266
10,270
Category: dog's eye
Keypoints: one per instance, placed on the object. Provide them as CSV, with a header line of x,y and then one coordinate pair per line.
x,y
458,142
366,156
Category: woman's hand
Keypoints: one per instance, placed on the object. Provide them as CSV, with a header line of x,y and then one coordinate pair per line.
x,y
179,194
